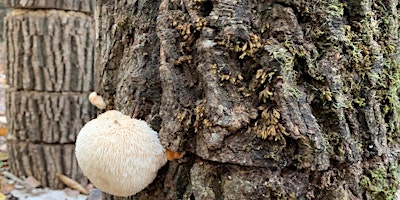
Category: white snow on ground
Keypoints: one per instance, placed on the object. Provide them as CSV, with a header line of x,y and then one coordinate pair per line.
x,y
47,194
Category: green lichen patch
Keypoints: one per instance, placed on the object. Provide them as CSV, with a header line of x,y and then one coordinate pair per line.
x,y
380,182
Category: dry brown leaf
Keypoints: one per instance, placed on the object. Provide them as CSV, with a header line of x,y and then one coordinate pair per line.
x,y
72,184
6,188
32,182
3,131
3,156
89,187
173,155
2,196
11,176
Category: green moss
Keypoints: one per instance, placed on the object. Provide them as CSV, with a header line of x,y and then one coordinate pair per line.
x,y
335,9
123,24
285,58
380,182
359,102
278,193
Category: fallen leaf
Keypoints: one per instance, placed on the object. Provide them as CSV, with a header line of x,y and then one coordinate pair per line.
x,y
89,187
72,184
6,188
3,156
3,131
13,177
32,182
2,196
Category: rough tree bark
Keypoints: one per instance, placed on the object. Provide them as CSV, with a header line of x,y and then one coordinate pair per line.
x,y
49,60
281,99
3,11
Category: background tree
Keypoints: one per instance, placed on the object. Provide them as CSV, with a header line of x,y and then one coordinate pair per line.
x,y
270,99
3,11
49,49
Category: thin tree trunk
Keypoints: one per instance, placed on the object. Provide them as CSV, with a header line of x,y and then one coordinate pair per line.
x,y
49,61
3,11
270,99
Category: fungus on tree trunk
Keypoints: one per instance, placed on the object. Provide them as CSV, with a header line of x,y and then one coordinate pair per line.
x,y
97,100
120,155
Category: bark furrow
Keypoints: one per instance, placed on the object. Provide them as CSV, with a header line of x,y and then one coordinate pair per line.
x,y
44,161
47,117
49,50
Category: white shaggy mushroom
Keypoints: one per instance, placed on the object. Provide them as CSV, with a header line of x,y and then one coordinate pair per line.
x,y
120,155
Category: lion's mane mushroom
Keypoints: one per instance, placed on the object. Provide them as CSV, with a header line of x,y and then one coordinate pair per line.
x,y
120,155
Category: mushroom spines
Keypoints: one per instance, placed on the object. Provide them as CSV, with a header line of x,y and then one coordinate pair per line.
x,y
120,155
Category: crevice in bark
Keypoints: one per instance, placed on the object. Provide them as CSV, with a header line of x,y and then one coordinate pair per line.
x,y
36,8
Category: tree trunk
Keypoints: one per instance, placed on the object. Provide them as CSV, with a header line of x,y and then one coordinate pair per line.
x,y
49,60
3,12
269,99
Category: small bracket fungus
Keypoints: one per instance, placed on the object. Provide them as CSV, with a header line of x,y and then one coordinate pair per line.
x,y
173,155
120,155
97,101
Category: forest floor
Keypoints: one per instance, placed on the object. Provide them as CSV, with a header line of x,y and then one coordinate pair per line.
x,y
12,187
